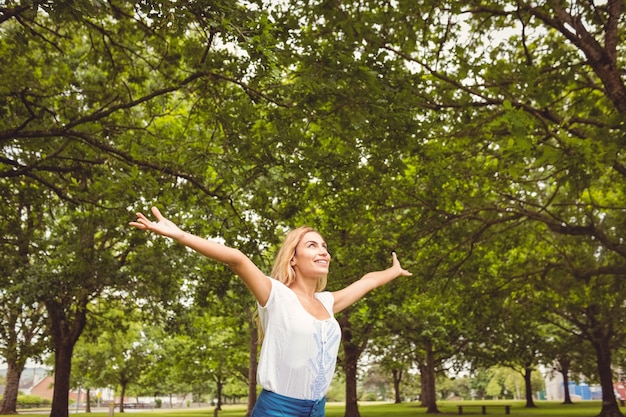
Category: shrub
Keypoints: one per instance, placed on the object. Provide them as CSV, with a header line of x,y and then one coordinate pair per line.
x,y
31,401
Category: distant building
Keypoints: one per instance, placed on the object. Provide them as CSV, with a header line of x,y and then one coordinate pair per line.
x,y
555,390
38,381
43,388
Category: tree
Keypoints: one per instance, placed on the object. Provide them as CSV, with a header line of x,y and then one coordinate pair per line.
x,y
22,327
429,338
393,356
591,307
127,356
165,376
114,349
86,362
109,73
214,349
545,152
435,128
566,355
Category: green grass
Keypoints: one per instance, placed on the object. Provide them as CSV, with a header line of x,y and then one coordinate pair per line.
x,y
367,409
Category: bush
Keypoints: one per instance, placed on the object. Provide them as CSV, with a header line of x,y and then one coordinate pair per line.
x,y
31,401
369,396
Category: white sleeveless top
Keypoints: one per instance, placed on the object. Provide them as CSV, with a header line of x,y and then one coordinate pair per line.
x,y
299,352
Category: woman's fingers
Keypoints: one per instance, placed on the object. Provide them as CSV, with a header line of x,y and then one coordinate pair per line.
x,y
142,222
403,271
157,213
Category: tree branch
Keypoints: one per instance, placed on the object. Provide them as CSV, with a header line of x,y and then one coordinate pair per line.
x,y
7,13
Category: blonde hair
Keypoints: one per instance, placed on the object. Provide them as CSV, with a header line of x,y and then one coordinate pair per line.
x,y
282,269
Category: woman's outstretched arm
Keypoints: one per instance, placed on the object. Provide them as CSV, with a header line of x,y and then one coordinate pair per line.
x,y
240,264
355,291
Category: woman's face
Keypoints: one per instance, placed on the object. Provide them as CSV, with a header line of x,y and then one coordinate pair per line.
x,y
311,258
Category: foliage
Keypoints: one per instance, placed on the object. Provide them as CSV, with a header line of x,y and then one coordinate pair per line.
x,y
31,401
482,141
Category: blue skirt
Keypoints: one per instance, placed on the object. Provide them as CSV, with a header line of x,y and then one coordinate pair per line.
x,y
270,404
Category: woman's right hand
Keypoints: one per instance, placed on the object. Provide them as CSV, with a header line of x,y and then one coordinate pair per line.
x,y
258,283
162,226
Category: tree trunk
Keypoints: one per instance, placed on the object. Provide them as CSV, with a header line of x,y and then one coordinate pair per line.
x,y
397,378
564,364
253,363
351,353
427,373
530,403
62,367
11,389
351,356
122,395
220,386
88,403
610,407
65,333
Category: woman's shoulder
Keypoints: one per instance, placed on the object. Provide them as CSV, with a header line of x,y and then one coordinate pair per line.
x,y
278,286
326,297
276,283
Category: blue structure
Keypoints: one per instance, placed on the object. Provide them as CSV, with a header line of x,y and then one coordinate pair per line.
x,y
585,391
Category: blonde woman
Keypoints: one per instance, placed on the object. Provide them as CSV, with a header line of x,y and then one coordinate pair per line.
x,y
300,334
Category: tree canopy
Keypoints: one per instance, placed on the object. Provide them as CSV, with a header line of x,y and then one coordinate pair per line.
x,y
483,142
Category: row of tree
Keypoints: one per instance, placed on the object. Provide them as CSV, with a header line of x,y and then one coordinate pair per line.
x,y
207,356
482,141
143,362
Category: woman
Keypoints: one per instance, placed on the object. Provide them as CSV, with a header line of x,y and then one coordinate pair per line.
x,y
301,337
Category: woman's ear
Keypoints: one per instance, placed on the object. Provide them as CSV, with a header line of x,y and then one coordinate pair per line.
x,y
292,262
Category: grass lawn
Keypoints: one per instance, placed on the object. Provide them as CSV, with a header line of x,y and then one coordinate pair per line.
x,y
373,409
